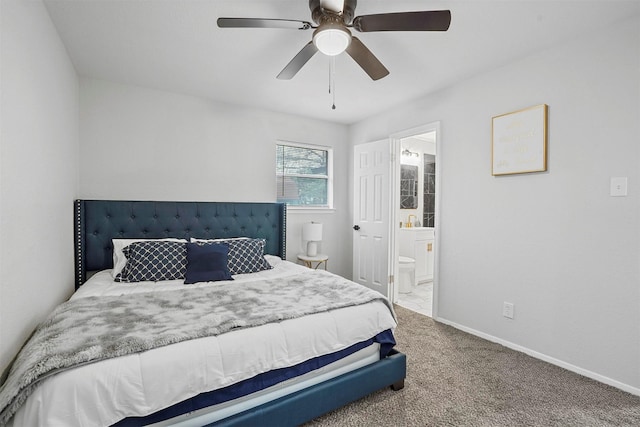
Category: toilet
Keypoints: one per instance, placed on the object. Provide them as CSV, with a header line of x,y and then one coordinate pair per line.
x,y
407,274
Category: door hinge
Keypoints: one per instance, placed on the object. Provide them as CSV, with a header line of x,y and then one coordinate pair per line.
x,y
391,278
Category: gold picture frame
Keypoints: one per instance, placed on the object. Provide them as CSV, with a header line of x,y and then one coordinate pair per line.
x,y
519,141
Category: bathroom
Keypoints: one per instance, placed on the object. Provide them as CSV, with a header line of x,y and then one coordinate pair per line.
x,y
416,235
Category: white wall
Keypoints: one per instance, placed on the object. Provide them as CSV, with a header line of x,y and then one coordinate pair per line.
x,y
143,144
555,244
38,171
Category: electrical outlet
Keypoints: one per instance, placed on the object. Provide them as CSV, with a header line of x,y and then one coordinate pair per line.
x,y
507,310
618,186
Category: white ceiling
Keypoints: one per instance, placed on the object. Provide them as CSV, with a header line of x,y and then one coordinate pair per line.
x,y
175,45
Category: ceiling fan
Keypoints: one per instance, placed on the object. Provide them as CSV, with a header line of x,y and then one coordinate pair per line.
x,y
331,35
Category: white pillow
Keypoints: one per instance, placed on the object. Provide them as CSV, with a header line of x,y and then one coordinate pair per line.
x,y
119,260
273,260
194,240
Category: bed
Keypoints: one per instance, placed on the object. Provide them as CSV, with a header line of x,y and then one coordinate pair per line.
x,y
284,372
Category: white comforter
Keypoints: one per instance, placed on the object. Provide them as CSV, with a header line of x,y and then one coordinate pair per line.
x,y
102,393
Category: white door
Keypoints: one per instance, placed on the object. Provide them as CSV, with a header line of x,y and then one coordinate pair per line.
x,y
372,172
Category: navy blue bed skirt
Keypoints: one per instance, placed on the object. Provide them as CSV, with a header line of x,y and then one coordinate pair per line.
x,y
259,382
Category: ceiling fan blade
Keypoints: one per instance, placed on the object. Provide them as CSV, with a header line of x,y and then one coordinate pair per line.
x,y
298,62
432,20
288,24
367,60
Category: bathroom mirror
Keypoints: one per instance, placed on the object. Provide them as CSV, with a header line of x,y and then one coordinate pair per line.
x,y
408,187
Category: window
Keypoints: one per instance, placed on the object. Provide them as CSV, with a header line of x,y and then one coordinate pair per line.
x,y
303,175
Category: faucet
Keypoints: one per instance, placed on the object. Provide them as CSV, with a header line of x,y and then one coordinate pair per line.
x,y
409,222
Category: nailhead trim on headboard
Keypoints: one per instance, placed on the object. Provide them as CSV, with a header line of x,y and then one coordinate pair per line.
x,y
79,271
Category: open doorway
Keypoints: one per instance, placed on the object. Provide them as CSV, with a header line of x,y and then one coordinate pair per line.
x,y
416,214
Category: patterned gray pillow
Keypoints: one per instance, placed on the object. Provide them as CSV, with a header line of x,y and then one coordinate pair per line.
x,y
154,261
245,255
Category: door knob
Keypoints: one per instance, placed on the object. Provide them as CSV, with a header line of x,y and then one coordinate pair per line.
x,y
356,227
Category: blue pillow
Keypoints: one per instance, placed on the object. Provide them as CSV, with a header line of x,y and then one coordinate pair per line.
x,y
153,261
247,256
207,263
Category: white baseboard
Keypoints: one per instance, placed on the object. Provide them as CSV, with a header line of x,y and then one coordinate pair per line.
x,y
544,357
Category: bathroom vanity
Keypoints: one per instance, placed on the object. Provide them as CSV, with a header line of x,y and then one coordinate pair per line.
x,y
418,243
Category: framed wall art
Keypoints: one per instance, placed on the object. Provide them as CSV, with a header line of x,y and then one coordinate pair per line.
x,y
519,141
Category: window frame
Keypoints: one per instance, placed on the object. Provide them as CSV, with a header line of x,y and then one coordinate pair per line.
x,y
328,176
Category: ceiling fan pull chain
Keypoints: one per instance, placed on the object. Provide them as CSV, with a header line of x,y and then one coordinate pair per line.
x,y
332,81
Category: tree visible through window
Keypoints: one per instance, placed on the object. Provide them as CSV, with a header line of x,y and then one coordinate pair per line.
x,y
303,175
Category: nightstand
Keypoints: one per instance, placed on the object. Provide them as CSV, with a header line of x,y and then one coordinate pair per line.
x,y
310,260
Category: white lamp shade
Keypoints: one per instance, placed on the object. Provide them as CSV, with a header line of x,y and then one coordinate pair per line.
x,y
312,231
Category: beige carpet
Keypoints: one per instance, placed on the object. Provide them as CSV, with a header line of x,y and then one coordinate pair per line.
x,y
456,379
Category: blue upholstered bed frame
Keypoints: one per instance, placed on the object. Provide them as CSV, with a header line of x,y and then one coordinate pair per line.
x,y
99,221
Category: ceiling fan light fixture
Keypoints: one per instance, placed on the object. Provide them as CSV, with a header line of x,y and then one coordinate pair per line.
x,y
332,40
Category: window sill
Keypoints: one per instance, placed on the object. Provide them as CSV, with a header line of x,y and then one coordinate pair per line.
x,y
302,210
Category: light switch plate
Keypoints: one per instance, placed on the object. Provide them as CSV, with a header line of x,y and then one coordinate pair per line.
x,y
618,186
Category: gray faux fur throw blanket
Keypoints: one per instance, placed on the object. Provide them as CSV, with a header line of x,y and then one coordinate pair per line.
x,y
91,329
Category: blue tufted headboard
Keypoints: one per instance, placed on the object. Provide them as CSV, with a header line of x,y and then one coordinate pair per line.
x,y
99,221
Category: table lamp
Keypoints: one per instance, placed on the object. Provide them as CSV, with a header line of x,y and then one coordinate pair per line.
x,y
312,233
